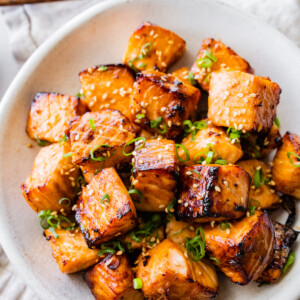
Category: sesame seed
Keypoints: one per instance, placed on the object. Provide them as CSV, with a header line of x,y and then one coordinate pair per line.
x,y
252,95
186,204
272,182
119,252
119,233
227,231
163,109
240,95
141,161
170,42
163,78
191,228
113,101
225,183
232,141
217,189
188,173
248,214
240,126
195,185
212,224
169,123
155,98
134,153
163,64
106,105
90,70
74,207
161,206
179,201
151,32
258,168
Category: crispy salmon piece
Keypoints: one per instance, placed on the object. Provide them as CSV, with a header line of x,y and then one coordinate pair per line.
x,y
225,60
104,208
112,130
154,174
167,273
52,178
161,96
286,170
153,47
108,86
50,115
216,136
112,279
262,196
242,101
182,75
285,238
244,249
71,251
212,193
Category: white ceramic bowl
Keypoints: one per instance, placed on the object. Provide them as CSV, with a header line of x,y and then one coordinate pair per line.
x,y
99,36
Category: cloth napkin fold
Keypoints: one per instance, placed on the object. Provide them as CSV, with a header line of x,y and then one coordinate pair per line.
x,y
31,24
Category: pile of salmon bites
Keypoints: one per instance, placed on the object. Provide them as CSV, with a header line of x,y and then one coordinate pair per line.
x,y
149,193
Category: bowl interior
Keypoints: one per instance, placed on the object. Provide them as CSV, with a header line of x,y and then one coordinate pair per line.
x,y
99,36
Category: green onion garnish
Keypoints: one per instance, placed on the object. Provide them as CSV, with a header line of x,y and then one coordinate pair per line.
x,y
137,283
105,197
253,205
191,78
67,200
137,192
221,162
157,124
41,143
259,178
236,135
92,123
277,122
204,62
142,65
289,154
102,68
131,142
101,158
81,96
196,247
188,127
263,283
217,261
224,225
63,139
134,237
162,130
140,116
210,152
79,183
111,247
186,152
210,56
145,51
67,155
290,260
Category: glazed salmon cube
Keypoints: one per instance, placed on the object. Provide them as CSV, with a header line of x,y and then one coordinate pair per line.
x,y
112,279
285,238
183,75
52,178
166,270
108,86
98,138
213,137
154,174
104,208
242,101
214,56
286,170
212,193
244,249
71,251
153,47
50,115
262,195
164,103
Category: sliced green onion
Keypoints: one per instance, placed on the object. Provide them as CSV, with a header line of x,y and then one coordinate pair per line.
x,y
79,183
171,205
65,200
101,158
142,65
191,78
156,218
186,152
224,225
163,130
290,260
289,154
221,162
137,192
253,205
63,139
157,123
81,96
207,78
187,126
105,197
41,143
146,49
131,142
137,283
67,155
204,62
259,178
92,123
140,116
196,247
134,237
210,56
53,232
106,251
130,64
217,261
209,157
102,68
100,169
277,122
202,158
263,283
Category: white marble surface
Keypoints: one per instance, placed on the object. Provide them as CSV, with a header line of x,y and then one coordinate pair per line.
x,y
283,14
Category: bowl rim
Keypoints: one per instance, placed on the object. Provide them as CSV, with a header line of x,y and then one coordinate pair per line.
x,y
29,67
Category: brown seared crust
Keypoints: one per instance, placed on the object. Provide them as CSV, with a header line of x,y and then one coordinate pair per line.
x,y
48,181
71,251
111,128
216,136
265,194
286,175
227,60
167,273
212,192
111,279
50,115
242,100
245,249
167,47
272,141
285,238
108,86
155,174
160,95
182,75
102,221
